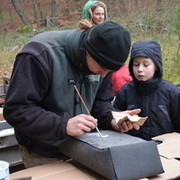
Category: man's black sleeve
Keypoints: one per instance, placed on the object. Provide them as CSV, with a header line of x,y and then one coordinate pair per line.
x,y
102,106
29,83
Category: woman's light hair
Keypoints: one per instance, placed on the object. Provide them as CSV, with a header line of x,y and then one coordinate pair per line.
x,y
84,24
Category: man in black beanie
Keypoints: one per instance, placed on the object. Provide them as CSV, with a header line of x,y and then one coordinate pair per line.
x,y
42,104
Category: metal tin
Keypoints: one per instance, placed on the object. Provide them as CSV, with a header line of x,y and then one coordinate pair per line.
x,y
4,170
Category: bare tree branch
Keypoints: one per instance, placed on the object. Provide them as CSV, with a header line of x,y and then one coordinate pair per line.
x,y
19,10
37,13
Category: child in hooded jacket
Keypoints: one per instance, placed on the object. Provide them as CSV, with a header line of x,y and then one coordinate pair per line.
x,y
157,98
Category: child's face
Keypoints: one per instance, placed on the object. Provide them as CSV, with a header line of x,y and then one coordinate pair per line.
x,y
144,68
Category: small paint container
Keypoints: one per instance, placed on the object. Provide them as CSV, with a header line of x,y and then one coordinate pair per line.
x,y
4,170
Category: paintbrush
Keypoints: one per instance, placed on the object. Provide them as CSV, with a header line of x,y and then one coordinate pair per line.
x,y
75,87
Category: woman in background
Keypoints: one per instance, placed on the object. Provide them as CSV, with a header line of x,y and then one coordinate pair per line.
x,y
95,12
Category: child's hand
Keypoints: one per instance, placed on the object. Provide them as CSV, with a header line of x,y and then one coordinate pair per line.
x,y
133,112
126,125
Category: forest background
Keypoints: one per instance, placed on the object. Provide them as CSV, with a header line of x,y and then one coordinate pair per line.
x,y
145,19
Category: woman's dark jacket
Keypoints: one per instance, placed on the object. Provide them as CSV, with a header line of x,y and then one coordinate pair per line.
x,y
158,99
41,97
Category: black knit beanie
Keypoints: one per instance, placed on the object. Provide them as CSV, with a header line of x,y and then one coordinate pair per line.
x,y
109,44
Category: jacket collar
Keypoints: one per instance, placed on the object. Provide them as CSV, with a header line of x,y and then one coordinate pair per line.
x,y
147,87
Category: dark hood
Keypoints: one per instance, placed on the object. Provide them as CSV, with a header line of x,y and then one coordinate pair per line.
x,y
149,48
75,50
82,54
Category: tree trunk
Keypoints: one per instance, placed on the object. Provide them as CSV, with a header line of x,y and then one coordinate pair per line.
x,y
110,8
1,19
54,11
19,10
37,13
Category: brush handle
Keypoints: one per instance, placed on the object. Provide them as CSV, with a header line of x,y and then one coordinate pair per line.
x,y
82,100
